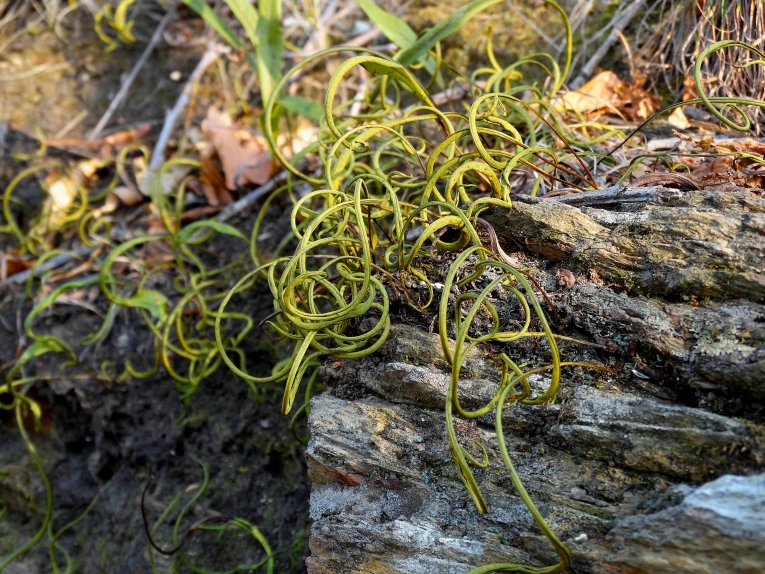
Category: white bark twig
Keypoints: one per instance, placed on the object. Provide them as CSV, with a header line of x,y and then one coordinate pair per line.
x,y
243,204
212,53
131,77
615,195
53,263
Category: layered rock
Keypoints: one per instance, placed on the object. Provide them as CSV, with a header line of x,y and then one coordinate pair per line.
x,y
643,468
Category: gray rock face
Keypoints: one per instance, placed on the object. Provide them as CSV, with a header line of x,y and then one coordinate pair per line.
x,y
646,435
725,516
715,252
606,469
632,467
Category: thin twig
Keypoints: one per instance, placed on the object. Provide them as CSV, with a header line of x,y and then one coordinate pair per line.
x,y
71,124
132,76
212,53
195,527
46,67
589,68
614,195
53,263
245,203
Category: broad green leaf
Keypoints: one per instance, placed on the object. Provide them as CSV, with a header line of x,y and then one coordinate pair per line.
x,y
450,24
395,29
269,45
303,107
218,226
153,301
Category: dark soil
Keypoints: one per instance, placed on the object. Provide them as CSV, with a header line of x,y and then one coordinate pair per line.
x,y
114,441
93,439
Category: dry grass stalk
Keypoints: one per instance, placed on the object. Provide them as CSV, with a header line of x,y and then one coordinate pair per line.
x,y
687,27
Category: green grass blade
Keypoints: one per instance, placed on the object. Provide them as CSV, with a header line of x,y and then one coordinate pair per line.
x,y
395,29
247,17
445,27
208,15
185,235
219,25
269,45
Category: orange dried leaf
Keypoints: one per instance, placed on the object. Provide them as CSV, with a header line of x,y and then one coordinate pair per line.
x,y
120,139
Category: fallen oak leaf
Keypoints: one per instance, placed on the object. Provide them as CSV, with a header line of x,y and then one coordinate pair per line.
x,y
747,145
245,157
601,92
638,105
606,91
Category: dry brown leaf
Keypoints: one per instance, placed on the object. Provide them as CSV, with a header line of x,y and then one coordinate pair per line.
x,y
715,169
12,262
213,184
677,119
689,91
244,156
599,93
606,91
638,104
756,182
704,143
747,145
731,168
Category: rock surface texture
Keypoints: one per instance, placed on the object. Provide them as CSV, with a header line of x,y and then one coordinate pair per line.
x,y
652,466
